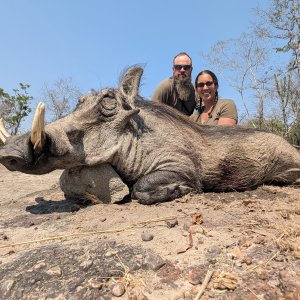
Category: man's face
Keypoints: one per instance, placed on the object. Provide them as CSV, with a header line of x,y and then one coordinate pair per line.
x,y
182,68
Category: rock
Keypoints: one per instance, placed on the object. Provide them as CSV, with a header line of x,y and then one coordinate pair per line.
x,y
54,271
41,264
152,261
100,184
147,236
213,251
118,289
172,223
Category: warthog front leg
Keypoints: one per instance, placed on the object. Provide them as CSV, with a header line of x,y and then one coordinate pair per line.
x,y
160,186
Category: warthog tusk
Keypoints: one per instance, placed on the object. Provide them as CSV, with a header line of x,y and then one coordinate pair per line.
x,y
38,128
3,132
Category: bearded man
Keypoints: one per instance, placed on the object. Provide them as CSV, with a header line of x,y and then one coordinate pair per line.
x,y
178,90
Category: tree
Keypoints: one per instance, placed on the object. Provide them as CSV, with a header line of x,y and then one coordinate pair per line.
x,y
283,87
14,108
61,97
244,62
281,24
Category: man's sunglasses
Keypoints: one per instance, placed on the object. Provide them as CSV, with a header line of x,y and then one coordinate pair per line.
x,y
185,67
202,84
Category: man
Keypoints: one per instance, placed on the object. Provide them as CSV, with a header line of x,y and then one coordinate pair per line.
x,y
178,90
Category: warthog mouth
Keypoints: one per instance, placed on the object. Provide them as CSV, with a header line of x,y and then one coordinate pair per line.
x,y
13,163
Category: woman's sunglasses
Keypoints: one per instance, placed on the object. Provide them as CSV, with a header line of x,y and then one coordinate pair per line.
x,y
185,67
202,84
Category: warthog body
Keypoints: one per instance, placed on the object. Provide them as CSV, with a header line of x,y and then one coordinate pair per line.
x,y
159,153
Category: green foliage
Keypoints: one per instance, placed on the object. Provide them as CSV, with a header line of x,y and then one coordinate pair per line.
x,y
278,127
294,134
271,125
14,108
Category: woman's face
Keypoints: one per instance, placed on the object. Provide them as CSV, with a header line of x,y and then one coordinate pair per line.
x,y
206,88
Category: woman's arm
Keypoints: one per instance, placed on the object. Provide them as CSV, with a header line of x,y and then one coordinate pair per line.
x,y
226,121
228,113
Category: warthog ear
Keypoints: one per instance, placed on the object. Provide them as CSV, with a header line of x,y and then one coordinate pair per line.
x,y
130,83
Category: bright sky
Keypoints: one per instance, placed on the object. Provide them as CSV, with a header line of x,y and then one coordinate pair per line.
x,y
92,41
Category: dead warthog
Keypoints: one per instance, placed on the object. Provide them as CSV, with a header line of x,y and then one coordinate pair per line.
x,y
159,153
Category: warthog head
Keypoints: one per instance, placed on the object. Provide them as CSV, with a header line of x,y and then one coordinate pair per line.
x,y
88,136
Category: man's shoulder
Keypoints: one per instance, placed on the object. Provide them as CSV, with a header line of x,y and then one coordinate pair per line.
x,y
163,91
166,82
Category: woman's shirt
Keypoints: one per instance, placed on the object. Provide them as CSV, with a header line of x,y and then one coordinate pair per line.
x,y
224,108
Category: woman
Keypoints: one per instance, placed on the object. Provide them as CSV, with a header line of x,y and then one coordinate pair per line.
x,y
212,110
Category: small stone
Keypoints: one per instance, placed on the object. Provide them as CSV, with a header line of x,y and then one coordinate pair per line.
x,y
55,271
213,251
39,265
152,261
103,219
147,236
172,223
118,289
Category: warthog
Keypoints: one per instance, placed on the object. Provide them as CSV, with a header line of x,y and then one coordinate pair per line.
x,y
159,153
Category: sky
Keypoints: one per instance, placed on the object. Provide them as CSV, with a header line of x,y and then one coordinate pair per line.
x,y
92,41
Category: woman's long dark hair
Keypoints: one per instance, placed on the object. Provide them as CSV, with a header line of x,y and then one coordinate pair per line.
x,y
216,82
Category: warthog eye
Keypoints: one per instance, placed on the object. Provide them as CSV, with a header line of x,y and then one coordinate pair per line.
x,y
108,106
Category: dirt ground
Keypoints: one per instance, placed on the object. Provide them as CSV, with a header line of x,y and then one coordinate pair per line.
x,y
51,248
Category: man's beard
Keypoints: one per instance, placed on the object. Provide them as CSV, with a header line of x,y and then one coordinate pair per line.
x,y
183,87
